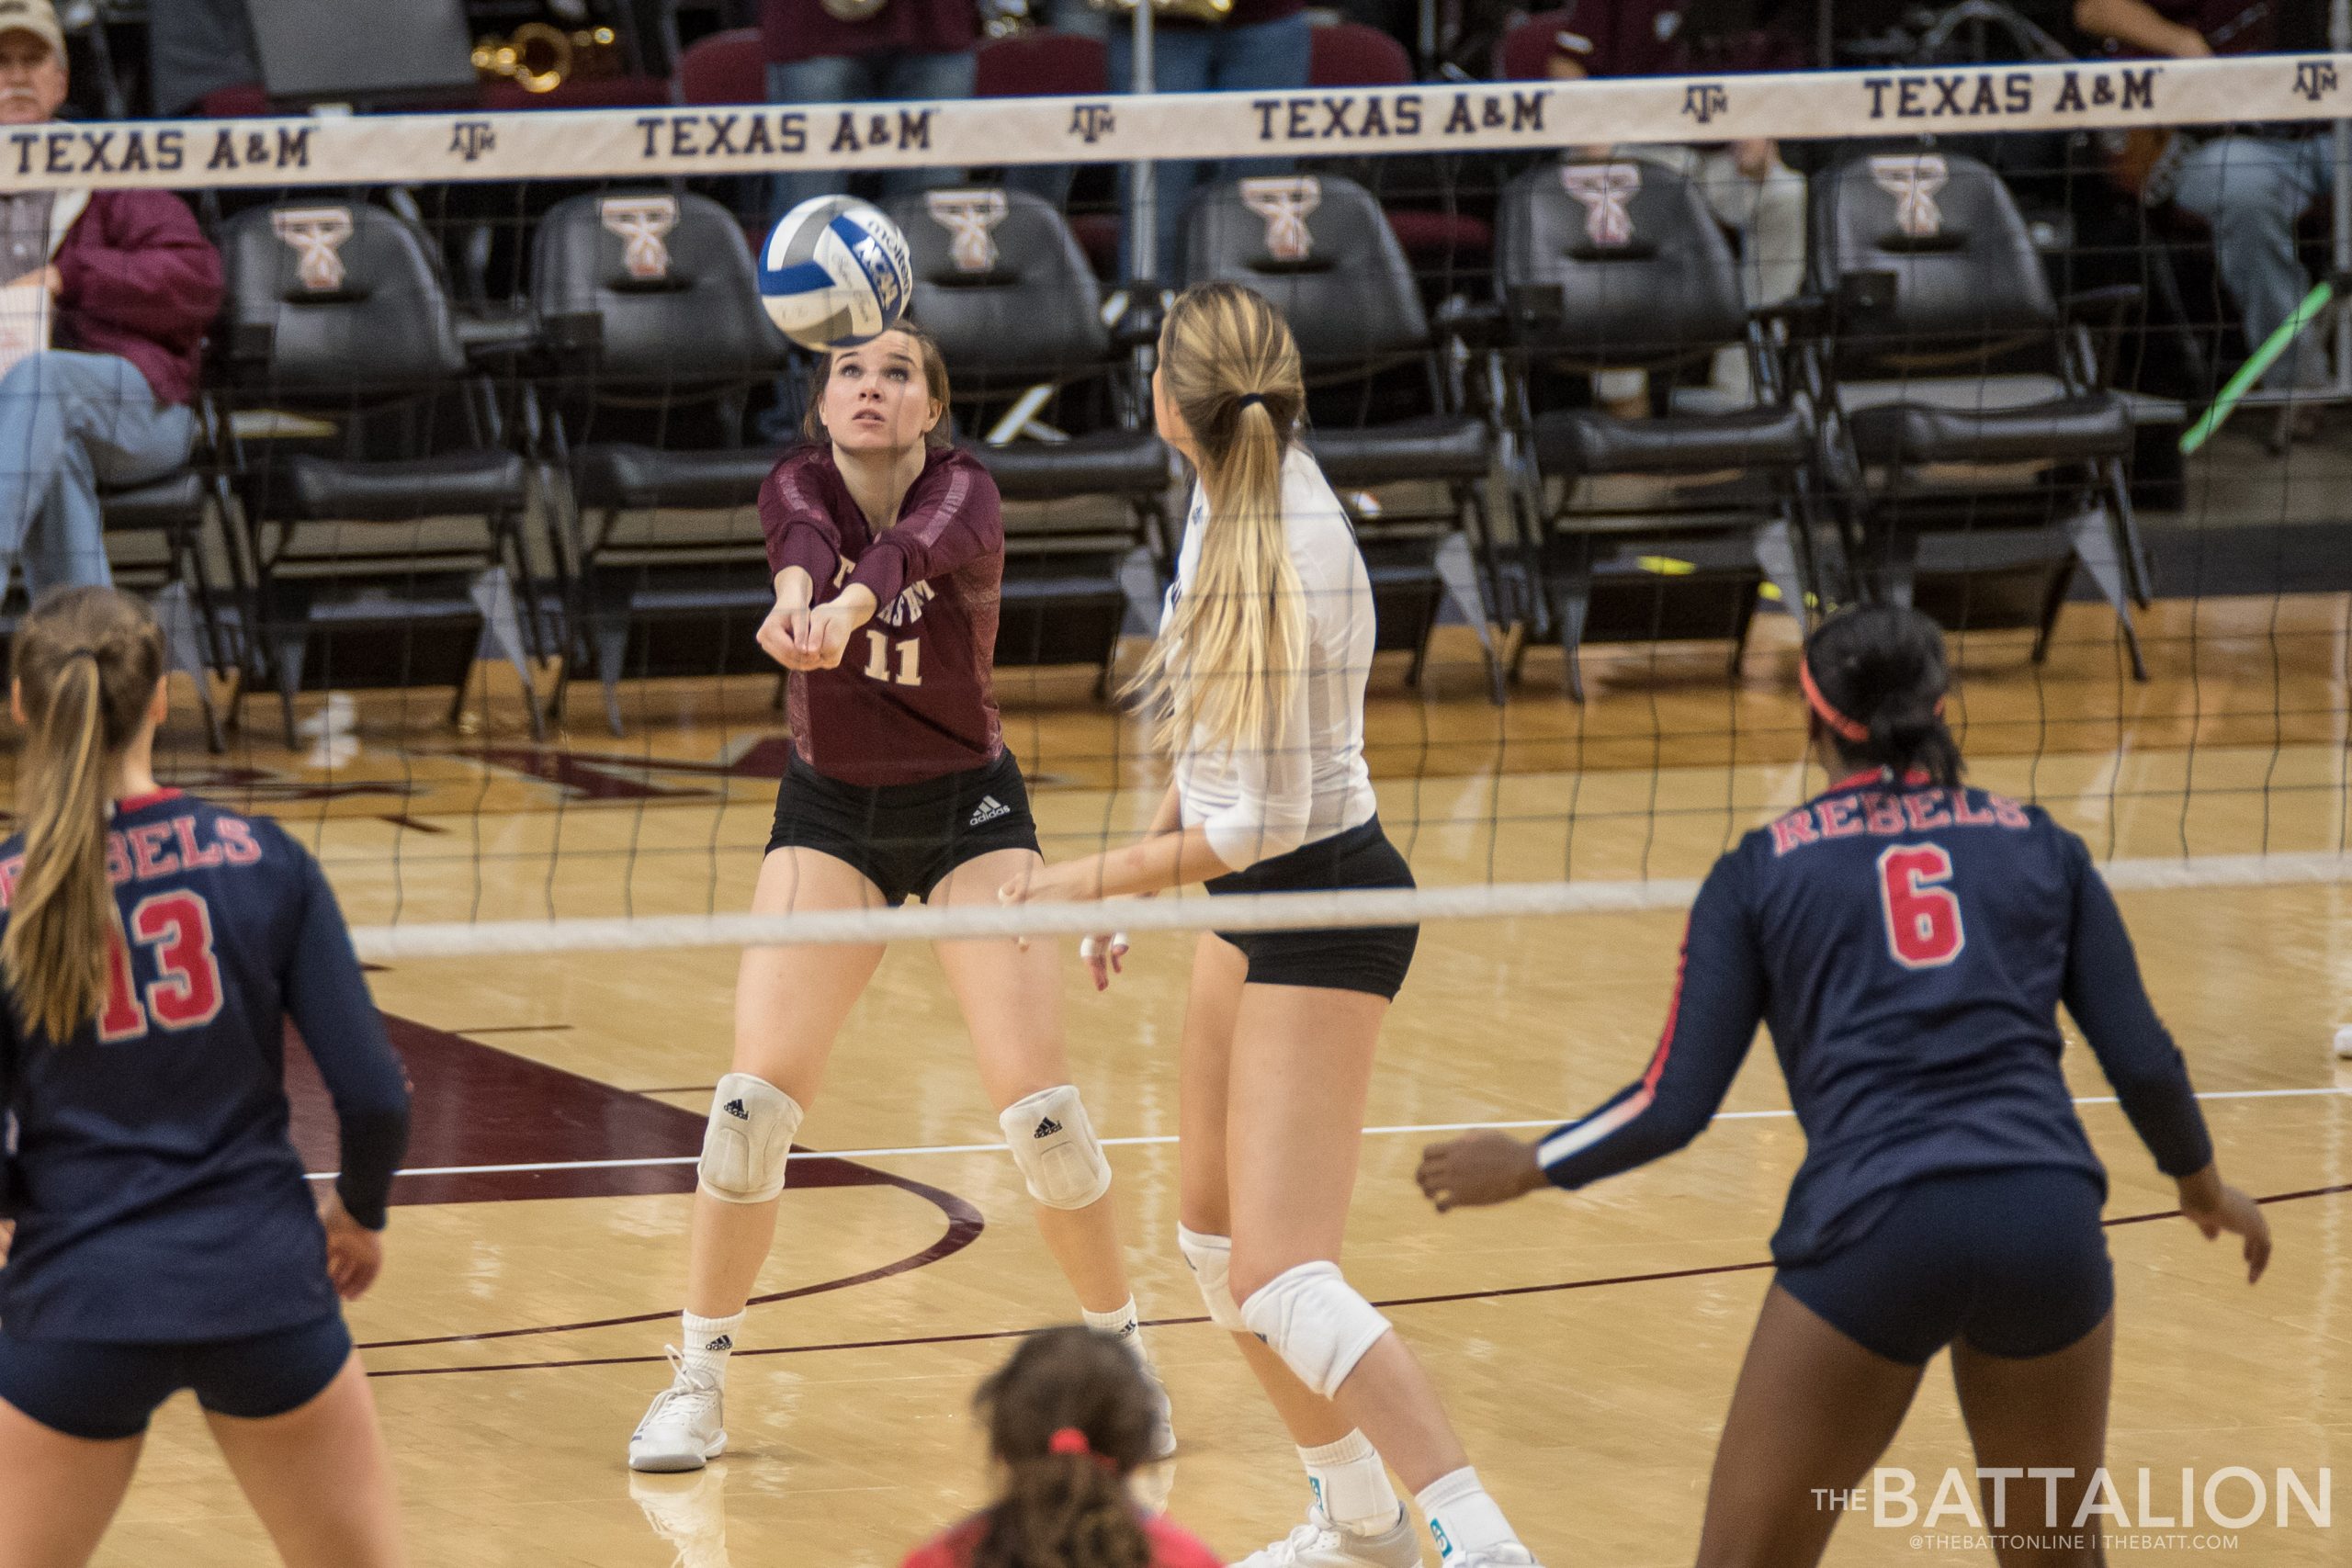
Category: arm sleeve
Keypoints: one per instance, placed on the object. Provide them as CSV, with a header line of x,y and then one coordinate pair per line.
x,y
149,271
1718,1001
2110,1005
799,532
951,518
327,998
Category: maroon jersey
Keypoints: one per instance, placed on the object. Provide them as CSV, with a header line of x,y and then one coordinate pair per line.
x,y
911,699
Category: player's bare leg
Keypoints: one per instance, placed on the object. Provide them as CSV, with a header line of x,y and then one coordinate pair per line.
x,y
1012,1001
319,1477
1299,1074
790,1003
57,1494
2038,1415
1811,1413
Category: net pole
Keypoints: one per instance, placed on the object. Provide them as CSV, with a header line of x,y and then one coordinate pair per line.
x,y
2340,39
1143,207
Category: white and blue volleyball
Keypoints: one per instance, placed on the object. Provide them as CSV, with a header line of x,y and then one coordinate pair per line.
x,y
835,271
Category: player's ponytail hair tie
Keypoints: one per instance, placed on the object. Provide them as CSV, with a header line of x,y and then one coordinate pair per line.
x,y
1248,399
1069,1440
1838,724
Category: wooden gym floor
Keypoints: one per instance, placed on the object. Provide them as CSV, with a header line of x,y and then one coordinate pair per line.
x,y
1587,1345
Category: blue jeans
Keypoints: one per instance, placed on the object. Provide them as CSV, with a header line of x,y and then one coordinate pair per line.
x,y
864,79
2252,189
69,423
1268,57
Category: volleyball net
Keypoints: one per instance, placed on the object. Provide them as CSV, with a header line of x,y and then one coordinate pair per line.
x,y
1621,382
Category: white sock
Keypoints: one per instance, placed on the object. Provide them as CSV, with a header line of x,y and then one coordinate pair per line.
x,y
1462,1517
708,1342
1352,1485
1120,1323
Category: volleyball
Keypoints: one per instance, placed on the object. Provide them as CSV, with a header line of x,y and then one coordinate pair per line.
x,y
834,272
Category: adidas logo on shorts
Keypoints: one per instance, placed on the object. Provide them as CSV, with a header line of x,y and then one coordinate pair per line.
x,y
735,1108
989,811
1046,1128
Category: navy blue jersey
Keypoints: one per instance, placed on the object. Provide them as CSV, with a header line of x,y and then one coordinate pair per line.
x,y
1908,945
157,1198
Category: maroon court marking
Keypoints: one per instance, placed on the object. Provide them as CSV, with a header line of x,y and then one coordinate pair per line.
x,y
477,1105
973,1336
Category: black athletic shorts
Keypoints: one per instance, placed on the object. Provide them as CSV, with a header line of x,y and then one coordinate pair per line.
x,y
106,1392
2013,1261
1363,958
905,838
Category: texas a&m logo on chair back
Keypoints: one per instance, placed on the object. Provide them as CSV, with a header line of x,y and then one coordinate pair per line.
x,y
1283,202
317,235
968,216
643,223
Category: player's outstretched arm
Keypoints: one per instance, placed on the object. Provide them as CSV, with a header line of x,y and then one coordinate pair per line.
x,y
1718,1002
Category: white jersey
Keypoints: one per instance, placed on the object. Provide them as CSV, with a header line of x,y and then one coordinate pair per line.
x,y
1256,802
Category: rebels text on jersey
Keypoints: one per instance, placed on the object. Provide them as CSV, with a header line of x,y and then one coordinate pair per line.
x,y
911,699
156,1195
1909,946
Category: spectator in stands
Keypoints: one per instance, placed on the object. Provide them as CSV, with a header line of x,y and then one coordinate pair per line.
x,y
102,319
1258,46
840,52
1069,1419
1744,183
2251,183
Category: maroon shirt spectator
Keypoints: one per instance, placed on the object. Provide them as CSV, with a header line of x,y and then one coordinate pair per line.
x,y
138,278
935,575
805,30
2163,27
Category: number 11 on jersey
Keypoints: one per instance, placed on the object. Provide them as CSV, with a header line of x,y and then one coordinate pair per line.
x,y
879,650
1923,929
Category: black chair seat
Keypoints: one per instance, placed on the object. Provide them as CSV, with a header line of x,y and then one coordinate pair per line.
x,y
1432,447
168,503
1103,462
326,488
1569,442
2091,426
621,475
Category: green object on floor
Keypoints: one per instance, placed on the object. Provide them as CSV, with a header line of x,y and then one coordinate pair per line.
x,y
2251,371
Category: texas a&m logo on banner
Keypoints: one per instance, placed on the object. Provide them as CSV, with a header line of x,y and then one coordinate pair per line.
x,y
968,216
643,223
1285,202
1913,179
317,235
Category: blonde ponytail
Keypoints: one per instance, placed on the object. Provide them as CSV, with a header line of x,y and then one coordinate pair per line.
x,y
87,663
1226,664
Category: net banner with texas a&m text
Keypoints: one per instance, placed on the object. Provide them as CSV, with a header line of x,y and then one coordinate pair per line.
x,y
329,149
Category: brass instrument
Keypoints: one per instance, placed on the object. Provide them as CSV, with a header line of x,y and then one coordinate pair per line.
x,y
539,57
1210,12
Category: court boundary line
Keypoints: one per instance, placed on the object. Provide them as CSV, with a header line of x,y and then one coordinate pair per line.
x,y
1447,1298
1160,1139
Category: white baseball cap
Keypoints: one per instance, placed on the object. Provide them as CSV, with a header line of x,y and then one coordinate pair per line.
x,y
38,17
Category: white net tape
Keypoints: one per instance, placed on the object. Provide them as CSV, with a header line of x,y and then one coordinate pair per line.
x,y
1431,117
1258,911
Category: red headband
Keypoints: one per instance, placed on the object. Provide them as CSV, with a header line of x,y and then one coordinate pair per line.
x,y
1070,1440
1839,724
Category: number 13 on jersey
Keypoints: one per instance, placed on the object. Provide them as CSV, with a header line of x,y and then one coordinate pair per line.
x,y
1923,929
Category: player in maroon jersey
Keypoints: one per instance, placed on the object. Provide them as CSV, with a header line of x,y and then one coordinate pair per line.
x,y
887,547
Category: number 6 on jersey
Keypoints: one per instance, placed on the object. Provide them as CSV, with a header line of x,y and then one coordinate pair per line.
x,y
1923,929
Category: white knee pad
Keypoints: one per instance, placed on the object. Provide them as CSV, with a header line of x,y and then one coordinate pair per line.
x,y
1210,1258
753,1123
1315,1320
1056,1148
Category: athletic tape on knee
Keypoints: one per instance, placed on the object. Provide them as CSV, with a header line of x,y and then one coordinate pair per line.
x,y
1316,1321
753,1123
1055,1146
1210,1258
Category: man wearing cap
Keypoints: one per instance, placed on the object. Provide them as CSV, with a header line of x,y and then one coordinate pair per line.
x,y
104,299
